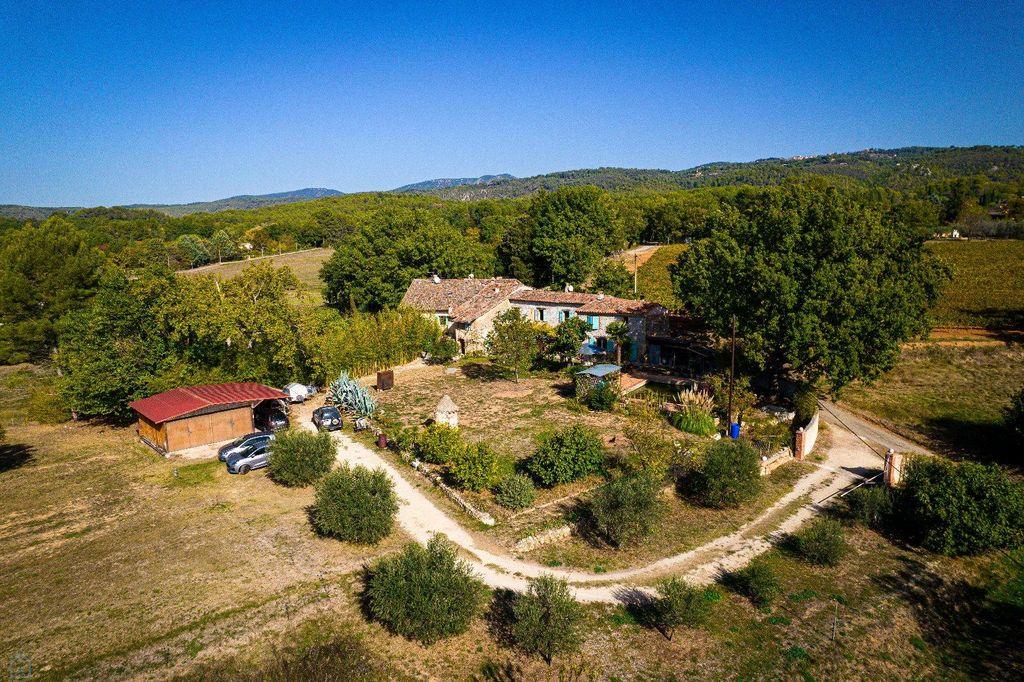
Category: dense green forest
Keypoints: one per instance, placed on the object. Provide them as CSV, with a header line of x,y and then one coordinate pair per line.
x,y
906,168
93,288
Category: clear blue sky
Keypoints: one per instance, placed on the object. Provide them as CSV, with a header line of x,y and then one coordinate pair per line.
x,y
173,102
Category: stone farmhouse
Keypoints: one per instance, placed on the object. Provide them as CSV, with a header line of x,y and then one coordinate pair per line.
x,y
466,308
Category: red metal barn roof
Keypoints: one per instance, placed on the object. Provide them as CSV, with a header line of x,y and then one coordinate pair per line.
x,y
180,402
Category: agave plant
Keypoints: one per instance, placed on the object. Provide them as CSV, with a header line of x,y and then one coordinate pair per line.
x,y
350,395
696,398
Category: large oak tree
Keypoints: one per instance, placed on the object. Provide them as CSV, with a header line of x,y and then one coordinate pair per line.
x,y
820,284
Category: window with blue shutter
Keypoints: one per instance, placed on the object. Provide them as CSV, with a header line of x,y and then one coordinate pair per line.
x,y
592,321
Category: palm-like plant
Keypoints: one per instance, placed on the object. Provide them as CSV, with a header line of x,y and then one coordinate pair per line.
x,y
619,333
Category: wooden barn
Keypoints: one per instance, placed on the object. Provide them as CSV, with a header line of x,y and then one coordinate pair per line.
x,y
197,415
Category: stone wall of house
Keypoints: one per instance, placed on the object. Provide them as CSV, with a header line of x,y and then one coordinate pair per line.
x,y
475,336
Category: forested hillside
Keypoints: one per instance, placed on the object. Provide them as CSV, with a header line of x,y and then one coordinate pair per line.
x,y
904,168
240,202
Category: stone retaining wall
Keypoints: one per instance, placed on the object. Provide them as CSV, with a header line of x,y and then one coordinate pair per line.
x,y
540,539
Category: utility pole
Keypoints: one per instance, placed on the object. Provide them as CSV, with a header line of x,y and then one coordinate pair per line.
x,y
634,274
732,372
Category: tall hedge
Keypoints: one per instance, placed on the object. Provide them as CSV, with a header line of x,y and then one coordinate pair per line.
x,y
959,508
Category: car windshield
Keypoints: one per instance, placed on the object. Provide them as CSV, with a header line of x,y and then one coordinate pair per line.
x,y
330,413
247,449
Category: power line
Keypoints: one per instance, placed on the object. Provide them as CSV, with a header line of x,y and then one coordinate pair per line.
x,y
868,480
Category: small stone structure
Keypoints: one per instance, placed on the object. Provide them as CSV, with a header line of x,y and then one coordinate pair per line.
x,y
770,463
447,412
540,539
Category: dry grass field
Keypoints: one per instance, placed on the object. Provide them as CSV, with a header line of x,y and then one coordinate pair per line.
x,y
305,264
120,564
948,396
114,557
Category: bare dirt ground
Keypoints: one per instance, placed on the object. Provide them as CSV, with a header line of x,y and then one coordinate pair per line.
x,y
636,257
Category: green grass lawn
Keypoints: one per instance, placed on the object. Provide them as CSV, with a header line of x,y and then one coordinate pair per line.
x,y
950,396
988,284
653,278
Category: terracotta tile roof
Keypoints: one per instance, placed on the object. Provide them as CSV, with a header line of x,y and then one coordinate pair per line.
x,y
180,402
592,304
428,296
554,297
612,305
496,291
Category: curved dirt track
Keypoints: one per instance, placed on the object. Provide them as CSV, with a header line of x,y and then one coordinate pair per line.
x,y
847,461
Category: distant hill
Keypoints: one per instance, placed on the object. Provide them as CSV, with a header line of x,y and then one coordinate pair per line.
x,y
240,202
901,168
442,183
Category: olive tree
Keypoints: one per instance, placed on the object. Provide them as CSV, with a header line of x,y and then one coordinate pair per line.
x,y
548,620
355,504
424,593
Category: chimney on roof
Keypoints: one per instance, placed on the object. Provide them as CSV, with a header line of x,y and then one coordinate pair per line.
x,y
600,295
568,288
472,276
435,279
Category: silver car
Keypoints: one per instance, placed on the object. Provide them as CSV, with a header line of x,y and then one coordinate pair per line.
x,y
251,456
238,444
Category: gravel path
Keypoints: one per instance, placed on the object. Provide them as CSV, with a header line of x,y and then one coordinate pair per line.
x,y
847,462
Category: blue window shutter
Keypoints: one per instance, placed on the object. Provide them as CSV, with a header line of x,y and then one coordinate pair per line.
x,y
592,321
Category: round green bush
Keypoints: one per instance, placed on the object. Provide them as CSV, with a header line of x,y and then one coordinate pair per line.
x,y
476,468
443,350
355,505
680,604
627,510
547,619
299,458
603,397
439,444
1013,414
757,582
566,455
424,593
822,542
515,492
871,505
729,475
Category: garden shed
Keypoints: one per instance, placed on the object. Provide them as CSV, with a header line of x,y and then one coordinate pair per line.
x,y
594,377
186,417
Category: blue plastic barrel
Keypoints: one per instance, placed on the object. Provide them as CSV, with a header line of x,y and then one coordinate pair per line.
x,y
734,431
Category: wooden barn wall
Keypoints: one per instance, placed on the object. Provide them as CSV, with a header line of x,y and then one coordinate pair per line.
x,y
208,428
154,433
